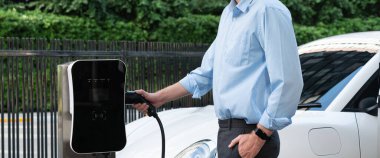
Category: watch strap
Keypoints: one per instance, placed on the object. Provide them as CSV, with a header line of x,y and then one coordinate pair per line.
x,y
261,134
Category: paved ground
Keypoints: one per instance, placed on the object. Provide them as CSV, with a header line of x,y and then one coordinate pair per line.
x,y
8,137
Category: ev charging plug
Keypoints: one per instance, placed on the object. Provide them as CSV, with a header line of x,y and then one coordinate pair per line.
x,y
131,97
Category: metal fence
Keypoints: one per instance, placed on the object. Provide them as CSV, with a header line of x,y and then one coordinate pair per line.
x,y
28,99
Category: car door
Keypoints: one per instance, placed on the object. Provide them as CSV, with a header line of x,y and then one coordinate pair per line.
x,y
367,134
365,107
378,113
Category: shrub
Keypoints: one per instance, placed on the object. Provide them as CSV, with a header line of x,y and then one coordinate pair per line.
x,y
190,28
309,33
42,25
193,28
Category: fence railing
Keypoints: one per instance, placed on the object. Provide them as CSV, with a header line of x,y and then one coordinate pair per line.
x,y
28,98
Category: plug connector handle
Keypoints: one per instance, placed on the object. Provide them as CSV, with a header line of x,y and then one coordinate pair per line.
x,y
131,97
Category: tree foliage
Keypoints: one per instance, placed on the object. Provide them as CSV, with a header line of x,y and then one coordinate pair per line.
x,y
311,12
169,20
309,33
192,28
151,12
42,25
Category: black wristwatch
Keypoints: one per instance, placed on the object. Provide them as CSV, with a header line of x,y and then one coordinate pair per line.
x,y
261,134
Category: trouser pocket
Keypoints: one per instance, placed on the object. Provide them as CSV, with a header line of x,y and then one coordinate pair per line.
x,y
271,149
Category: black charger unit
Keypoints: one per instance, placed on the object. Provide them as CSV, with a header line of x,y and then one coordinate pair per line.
x,y
97,98
96,89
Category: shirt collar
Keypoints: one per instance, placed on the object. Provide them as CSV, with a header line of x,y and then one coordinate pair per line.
x,y
242,7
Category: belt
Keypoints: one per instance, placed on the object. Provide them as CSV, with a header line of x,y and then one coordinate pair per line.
x,y
235,123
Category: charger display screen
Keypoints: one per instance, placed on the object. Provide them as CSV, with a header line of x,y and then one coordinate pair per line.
x,y
99,89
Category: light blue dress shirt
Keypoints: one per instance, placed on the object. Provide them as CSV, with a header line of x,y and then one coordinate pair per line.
x,y
252,66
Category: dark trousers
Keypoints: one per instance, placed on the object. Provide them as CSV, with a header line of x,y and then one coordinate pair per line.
x,y
230,129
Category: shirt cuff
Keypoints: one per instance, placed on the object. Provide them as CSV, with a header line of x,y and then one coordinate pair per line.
x,y
274,124
190,85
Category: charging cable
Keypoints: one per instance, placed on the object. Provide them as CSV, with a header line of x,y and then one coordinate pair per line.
x,y
131,97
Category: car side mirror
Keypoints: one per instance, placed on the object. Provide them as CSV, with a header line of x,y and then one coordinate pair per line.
x,y
369,106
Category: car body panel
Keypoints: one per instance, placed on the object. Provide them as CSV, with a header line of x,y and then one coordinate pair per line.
x,y
378,113
182,127
196,124
368,134
295,138
360,41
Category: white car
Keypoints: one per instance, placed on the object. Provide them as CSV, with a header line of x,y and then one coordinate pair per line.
x,y
337,114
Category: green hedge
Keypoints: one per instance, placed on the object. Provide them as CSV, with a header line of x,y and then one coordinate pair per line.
x,y
193,28
203,29
42,25
190,28
309,33
311,12
150,12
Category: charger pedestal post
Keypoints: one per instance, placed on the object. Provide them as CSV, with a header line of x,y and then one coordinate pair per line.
x,y
64,120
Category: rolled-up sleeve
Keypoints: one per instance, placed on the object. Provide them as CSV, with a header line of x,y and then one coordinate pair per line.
x,y
199,81
276,36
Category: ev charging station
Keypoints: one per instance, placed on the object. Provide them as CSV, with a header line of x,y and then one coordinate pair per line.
x,y
91,100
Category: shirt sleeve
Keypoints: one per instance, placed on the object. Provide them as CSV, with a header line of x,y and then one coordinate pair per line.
x,y
276,36
199,81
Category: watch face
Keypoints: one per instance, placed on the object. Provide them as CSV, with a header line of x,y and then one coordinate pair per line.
x,y
98,117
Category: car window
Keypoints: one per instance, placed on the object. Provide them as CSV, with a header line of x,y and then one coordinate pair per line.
x,y
368,90
325,74
329,96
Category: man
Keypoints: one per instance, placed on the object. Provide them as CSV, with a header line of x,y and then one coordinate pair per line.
x,y
254,70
